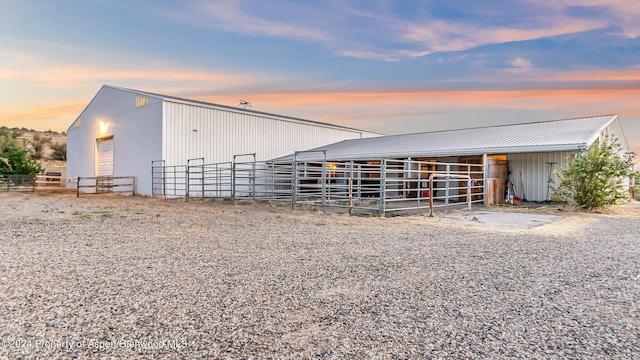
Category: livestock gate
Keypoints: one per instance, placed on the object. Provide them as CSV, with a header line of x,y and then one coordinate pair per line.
x,y
381,186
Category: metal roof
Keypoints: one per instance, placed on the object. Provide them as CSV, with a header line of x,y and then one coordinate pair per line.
x,y
242,110
558,135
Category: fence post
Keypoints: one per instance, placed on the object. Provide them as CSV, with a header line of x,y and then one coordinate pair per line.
x,y
431,194
350,195
294,181
485,174
419,186
253,177
446,189
469,182
186,186
164,180
233,181
323,191
273,180
78,187
359,174
383,186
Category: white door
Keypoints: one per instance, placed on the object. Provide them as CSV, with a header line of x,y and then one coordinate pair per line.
x,y
105,157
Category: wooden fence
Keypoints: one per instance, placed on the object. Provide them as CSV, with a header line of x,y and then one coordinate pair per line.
x,y
78,184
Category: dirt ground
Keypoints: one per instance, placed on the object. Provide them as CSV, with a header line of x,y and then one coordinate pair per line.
x,y
135,277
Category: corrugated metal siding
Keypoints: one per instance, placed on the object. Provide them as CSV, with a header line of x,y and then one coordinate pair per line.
x,y
614,131
560,135
192,132
530,172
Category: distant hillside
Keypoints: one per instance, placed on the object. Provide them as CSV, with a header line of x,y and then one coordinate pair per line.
x,y
42,145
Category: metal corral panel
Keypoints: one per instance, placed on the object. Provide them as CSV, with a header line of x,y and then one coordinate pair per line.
x,y
530,173
192,131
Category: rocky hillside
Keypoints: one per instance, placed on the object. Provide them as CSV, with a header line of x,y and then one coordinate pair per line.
x,y
41,144
49,147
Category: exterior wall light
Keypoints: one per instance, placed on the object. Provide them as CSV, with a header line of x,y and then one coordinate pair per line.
x,y
104,126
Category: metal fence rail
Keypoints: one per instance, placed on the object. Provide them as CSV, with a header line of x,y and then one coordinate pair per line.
x,y
208,180
379,186
338,184
79,185
409,180
17,182
106,185
263,181
244,177
168,181
57,183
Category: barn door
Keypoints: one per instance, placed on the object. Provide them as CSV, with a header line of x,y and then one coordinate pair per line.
x,y
105,156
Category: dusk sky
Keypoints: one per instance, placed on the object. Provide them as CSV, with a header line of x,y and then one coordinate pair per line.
x,y
387,66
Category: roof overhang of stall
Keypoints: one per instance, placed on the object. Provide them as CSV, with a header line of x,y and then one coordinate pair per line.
x,y
547,136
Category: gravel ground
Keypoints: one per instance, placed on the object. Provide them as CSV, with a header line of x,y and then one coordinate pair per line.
x,y
112,277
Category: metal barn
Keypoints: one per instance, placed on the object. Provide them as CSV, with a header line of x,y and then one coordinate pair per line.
x,y
122,131
412,172
522,156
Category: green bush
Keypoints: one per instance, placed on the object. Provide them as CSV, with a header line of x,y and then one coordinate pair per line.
x,y
596,178
14,161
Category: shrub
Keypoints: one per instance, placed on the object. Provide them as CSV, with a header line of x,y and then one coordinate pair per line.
x,y
38,144
14,161
58,151
595,178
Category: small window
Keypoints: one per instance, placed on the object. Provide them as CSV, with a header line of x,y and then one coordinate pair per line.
x,y
76,124
141,101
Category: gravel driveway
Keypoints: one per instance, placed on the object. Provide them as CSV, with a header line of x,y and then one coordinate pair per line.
x,y
135,277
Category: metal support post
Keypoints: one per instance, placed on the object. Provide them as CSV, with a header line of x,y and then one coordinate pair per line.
x,y
323,191
294,183
383,186
350,196
202,179
233,182
485,174
446,189
253,178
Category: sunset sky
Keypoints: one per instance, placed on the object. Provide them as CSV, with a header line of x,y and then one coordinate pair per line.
x,y
390,66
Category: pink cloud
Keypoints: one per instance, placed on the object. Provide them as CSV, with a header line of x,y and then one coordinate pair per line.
x,y
564,99
54,117
440,35
624,13
379,110
38,71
